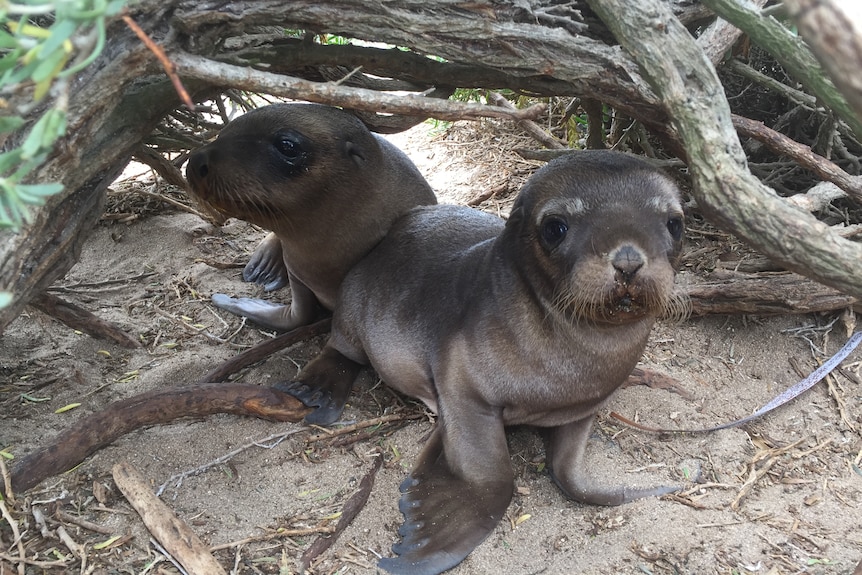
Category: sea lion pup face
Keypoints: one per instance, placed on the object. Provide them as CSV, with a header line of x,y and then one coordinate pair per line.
x,y
600,237
276,161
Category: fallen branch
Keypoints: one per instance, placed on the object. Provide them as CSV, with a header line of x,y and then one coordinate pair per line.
x,y
351,509
99,429
657,380
767,293
230,76
82,320
818,197
529,126
265,349
171,531
278,534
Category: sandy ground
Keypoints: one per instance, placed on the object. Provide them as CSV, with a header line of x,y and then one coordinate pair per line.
x,y
781,496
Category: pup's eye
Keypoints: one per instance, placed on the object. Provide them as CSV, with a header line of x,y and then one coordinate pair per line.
x,y
554,231
674,226
290,148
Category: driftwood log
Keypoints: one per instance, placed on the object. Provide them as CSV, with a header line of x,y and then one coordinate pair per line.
x,y
101,428
172,532
638,57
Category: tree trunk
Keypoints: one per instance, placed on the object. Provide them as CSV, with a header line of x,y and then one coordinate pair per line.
x,y
535,46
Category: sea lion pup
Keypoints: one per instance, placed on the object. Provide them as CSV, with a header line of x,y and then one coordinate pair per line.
x,y
327,188
533,321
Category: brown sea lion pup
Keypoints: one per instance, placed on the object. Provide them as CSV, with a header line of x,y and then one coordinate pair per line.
x,y
536,321
327,188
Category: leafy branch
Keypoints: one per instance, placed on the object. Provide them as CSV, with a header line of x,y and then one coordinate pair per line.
x,y
42,44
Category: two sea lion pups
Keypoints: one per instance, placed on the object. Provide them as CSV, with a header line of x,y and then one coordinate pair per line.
x,y
327,188
536,320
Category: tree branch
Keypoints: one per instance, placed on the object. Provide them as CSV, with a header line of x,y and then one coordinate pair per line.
x,y
229,76
790,51
687,83
801,154
840,54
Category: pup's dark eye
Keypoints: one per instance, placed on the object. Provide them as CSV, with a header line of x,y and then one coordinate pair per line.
x,y
674,226
554,231
290,148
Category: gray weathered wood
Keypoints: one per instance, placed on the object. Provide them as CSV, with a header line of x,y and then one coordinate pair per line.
x,y
840,54
725,190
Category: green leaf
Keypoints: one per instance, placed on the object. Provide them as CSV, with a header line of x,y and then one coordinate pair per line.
x,y
45,130
56,127
35,194
9,61
49,65
68,407
61,31
114,7
16,76
7,40
10,123
5,299
106,543
9,160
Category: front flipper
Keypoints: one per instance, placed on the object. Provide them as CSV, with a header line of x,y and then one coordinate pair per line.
x,y
446,515
568,469
325,383
266,266
303,309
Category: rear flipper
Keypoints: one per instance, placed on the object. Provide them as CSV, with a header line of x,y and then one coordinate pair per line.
x,y
566,456
266,266
325,383
447,516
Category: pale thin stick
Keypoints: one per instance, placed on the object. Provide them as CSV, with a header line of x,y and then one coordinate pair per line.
x,y
17,535
42,564
305,532
276,438
7,482
177,537
330,433
63,516
244,78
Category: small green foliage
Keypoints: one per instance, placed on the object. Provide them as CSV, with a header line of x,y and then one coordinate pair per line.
x,y
468,95
38,56
333,40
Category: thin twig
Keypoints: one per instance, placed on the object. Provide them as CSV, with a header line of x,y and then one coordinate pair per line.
x,y
16,536
63,516
802,154
173,202
21,561
170,67
362,425
275,438
304,532
8,493
71,288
